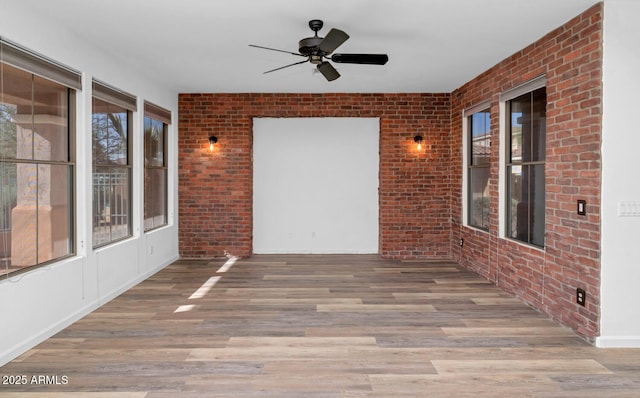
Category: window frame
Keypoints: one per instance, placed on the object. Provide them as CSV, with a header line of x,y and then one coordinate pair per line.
x,y
505,161
158,114
111,95
467,140
41,68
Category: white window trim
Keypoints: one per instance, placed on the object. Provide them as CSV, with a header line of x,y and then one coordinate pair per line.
x,y
529,86
465,159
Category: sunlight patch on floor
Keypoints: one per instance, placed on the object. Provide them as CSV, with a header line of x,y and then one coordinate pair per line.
x,y
204,289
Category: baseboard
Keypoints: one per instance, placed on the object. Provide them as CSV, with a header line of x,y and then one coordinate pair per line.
x,y
105,298
17,350
618,342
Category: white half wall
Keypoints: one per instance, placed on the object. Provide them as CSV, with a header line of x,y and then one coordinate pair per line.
x,y
315,185
37,304
620,260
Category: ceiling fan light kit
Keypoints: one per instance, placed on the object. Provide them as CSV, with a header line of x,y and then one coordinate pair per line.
x,y
317,50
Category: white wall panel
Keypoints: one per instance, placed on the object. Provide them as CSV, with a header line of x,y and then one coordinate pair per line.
x,y
315,185
39,303
620,258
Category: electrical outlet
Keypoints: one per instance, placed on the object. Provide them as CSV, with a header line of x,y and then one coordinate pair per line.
x,y
461,242
581,296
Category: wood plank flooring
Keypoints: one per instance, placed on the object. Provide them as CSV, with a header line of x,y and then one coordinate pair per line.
x,y
319,326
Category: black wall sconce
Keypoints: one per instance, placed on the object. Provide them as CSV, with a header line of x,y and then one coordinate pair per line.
x,y
418,140
212,140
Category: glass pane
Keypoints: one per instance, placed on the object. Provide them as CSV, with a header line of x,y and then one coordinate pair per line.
x,y
16,114
153,142
528,127
479,197
119,206
516,209
50,120
54,211
527,207
8,136
538,125
480,138
537,199
23,217
8,202
520,118
111,218
110,131
155,205
101,205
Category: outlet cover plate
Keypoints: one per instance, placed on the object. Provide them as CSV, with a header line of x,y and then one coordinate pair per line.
x,y
581,296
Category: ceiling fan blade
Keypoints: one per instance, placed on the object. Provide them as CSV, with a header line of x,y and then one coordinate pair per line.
x,y
275,49
332,40
286,66
368,59
328,71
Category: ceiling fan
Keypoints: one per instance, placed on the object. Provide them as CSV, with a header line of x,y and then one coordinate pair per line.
x,y
318,49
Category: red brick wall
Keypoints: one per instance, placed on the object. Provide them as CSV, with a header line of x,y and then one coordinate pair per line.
x,y
571,58
215,189
421,194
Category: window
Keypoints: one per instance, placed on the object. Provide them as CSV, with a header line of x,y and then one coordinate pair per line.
x,y
478,166
156,122
36,159
525,162
111,126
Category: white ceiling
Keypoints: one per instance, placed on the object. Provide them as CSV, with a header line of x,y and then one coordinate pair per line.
x,y
202,45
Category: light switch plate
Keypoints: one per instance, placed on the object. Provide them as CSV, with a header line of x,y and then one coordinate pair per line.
x,y
582,207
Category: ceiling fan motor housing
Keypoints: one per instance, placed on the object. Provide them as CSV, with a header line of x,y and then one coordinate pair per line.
x,y
309,46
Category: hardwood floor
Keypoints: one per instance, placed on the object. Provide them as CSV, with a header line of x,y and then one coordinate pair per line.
x,y
319,327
